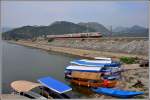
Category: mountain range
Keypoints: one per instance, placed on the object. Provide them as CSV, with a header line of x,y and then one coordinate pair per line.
x,y
64,27
135,31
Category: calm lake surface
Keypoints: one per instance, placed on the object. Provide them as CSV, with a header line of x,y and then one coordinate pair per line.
x,y
24,63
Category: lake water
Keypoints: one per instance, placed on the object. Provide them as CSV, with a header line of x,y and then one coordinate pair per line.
x,y
24,63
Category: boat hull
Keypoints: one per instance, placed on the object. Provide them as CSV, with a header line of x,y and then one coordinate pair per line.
x,y
116,92
93,84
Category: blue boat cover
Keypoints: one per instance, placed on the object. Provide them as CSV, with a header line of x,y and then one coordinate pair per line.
x,y
84,63
54,85
117,92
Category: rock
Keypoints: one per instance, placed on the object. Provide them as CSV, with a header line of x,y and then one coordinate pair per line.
x,y
144,63
138,84
132,47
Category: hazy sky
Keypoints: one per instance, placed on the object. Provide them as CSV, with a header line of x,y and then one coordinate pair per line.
x,y
123,13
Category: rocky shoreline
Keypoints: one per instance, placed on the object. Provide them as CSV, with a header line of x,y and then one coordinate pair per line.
x,y
85,53
115,45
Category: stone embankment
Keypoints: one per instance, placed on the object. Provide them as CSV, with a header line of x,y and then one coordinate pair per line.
x,y
86,48
137,46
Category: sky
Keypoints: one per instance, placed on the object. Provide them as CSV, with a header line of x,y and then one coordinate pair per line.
x,y
115,13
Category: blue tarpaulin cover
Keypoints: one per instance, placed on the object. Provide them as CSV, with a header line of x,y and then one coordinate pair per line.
x,y
54,85
85,63
117,92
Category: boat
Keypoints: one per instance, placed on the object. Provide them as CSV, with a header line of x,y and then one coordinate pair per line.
x,y
95,63
85,83
90,79
103,61
103,70
49,88
117,92
24,88
54,88
71,68
103,58
92,69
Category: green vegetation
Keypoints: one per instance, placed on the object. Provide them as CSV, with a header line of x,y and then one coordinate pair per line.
x,y
16,39
50,39
128,60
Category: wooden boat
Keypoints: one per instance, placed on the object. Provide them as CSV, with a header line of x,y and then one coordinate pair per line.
x,y
109,83
93,84
24,88
73,68
90,79
117,92
49,88
111,71
86,83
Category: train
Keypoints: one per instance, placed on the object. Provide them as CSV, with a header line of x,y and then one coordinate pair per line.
x,y
77,35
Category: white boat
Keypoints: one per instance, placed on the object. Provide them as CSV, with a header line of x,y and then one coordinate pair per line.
x,y
102,58
97,61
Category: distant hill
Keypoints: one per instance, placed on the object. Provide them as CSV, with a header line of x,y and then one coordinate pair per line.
x,y
120,29
98,27
135,31
58,27
64,27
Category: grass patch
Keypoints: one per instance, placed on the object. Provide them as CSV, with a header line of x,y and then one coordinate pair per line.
x,y
128,60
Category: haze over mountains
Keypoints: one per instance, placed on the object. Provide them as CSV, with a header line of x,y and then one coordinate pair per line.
x,y
64,27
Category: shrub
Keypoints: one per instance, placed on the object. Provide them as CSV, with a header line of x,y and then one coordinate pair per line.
x,y
50,39
128,60
82,39
33,39
16,39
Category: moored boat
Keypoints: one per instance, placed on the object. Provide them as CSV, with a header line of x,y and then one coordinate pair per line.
x,y
24,88
55,88
90,79
117,92
49,88
103,58
96,63
88,83
106,71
